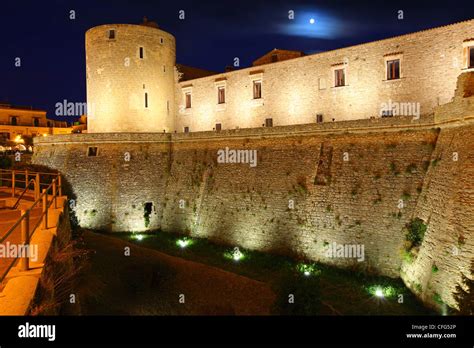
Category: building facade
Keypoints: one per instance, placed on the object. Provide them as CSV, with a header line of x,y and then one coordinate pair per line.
x,y
23,121
135,86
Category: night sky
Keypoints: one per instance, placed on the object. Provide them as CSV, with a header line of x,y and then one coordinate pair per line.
x,y
51,46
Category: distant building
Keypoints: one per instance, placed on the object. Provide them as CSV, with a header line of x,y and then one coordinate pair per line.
x,y
27,122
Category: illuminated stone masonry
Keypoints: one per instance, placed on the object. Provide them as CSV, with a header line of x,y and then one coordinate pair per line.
x,y
304,183
351,183
134,84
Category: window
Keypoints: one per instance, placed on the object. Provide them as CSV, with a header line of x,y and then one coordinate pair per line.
x,y
36,122
257,89
186,129
221,95
218,127
141,52
339,78
92,151
471,57
269,122
274,58
14,121
188,100
393,69
319,118
111,34
162,41
146,100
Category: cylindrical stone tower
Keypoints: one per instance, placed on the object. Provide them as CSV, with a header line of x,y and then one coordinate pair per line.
x,y
130,78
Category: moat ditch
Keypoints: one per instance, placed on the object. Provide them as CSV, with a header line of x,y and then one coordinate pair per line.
x,y
164,274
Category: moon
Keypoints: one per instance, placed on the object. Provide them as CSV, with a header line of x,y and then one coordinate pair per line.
x,y
311,21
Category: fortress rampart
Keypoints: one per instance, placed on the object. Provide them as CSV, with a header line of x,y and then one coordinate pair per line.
x,y
313,185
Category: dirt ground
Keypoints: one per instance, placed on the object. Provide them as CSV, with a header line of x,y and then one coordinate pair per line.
x,y
148,282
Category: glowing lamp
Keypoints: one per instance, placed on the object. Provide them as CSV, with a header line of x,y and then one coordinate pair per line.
x,y
379,293
183,243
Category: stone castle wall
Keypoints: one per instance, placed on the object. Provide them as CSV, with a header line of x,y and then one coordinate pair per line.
x,y
353,182
347,202
296,90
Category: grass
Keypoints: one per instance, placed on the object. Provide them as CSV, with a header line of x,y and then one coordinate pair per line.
x,y
325,290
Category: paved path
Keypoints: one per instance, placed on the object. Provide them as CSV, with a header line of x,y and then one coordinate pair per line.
x,y
7,220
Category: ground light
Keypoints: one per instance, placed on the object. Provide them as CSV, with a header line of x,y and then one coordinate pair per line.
x,y
382,292
138,236
308,269
235,255
184,242
379,293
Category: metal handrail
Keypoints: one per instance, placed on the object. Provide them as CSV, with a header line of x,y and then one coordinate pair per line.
x,y
24,220
23,193
19,171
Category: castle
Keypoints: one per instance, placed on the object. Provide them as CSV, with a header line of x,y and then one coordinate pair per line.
x,y
134,84
330,169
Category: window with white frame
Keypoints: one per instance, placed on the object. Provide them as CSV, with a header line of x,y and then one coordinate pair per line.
x,y
188,100
221,95
393,69
393,66
339,77
257,89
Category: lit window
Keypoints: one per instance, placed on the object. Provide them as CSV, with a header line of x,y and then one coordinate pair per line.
x,y
221,95
339,78
257,89
188,100
92,151
111,34
393,69
141,52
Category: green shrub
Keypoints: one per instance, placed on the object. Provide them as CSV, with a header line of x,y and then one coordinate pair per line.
x,y
437,298
416,231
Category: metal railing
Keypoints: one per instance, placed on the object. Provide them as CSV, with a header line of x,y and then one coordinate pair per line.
x,y
18,179
47,198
